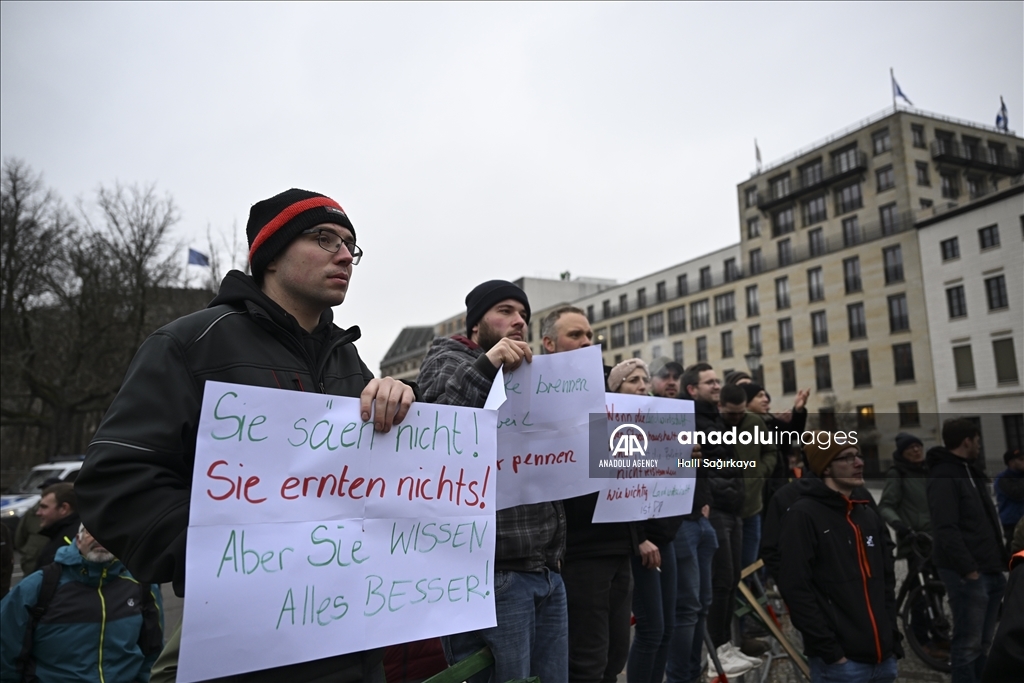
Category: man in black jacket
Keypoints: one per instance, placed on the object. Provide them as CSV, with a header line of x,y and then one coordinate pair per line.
x,y
967,546
58,520
837,574
274,329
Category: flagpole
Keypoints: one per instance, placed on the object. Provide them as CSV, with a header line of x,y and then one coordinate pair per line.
x,y
892,87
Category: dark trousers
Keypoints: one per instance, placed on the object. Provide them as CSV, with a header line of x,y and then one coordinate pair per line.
x,y
725,573
599,592
975,606
654,606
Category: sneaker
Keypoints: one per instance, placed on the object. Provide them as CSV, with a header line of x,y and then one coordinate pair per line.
x,y
752,647
732,664
738,653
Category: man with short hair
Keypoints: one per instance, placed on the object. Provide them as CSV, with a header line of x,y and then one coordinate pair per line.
x,y
58,520
565,329
530,638
837,575
696,540
968,549
96,622
274,329
665,377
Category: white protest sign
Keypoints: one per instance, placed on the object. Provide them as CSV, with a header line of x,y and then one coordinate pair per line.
x,y
312,535
543,427
645,480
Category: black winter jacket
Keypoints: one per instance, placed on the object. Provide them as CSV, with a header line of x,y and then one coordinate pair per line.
x,y
837,576
966,532
585,539
726,484
134,487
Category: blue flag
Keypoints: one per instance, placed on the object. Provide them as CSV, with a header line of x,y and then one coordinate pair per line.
x,y
195,258
896,92
1002,119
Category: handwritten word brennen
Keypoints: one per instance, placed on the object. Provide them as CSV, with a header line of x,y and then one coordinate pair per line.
x,y
567,385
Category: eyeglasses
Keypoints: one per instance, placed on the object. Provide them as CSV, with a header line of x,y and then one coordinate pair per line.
x,y
331,241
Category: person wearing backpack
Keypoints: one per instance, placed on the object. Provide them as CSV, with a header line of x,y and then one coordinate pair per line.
x,y
81,618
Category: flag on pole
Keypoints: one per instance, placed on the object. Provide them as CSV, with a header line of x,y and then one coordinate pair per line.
x,y
896,92
1002,119
757,153
196,258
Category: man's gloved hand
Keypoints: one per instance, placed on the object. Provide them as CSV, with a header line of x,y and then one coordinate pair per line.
x,y
902,530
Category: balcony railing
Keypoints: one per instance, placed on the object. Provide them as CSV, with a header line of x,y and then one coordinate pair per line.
x,y
977,156
804,183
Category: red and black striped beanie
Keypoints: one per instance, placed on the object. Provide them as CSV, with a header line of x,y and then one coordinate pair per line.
x,y
275,222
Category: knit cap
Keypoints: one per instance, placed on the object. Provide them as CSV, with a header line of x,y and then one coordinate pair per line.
x,y
275,222
486,295
819,457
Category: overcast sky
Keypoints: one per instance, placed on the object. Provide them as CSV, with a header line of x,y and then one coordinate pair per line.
x,y
470,142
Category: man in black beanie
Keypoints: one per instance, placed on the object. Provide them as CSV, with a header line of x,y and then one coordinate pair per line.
x,y
274,329
530,638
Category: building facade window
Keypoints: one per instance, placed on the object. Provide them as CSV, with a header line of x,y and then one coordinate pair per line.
x,y
753,227
751,196
700,315
677,352
677,320
590,313
880,141
963,363
845,159
892,258
781,293
660,292
950,184
702,349
886,178
727,344
788,377
681,288
705,278
917,135
637,353
725,308
861,368
857,321
756,262
815,284
606,309
888,218
995,289
623,303
814,211
975,186
989,237
641,297
1013,429
909,415
618,335
851,231
731,271
956,301
819,328
849,198
636,331
754,339
950,249
903,362
753,307
822,373
785,252
782,222
1006,361
779,186
785,334
812,173
656,325
851,274
899,315
816,242
923,179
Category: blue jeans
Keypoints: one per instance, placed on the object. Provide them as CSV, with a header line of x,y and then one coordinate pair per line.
x,y
695,546
751,540
852,672
975,606
654,606
531,638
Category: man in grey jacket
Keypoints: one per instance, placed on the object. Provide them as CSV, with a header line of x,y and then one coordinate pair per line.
x,y
530,637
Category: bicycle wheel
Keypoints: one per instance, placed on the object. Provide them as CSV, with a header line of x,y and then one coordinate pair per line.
x,y
927,611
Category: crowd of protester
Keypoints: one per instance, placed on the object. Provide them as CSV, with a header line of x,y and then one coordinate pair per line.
x,y
567,590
